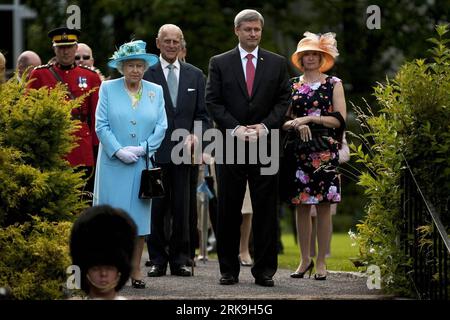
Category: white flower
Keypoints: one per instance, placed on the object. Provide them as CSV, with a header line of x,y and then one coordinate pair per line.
x,y
389,279
372,250
351,234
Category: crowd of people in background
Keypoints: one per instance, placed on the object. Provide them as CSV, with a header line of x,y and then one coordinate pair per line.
x,y
245,95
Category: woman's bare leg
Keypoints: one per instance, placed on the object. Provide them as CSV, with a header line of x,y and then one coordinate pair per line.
x,y
304,235
136,263
323,236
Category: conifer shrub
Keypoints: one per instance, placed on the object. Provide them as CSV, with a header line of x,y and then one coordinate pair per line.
x,y
34,257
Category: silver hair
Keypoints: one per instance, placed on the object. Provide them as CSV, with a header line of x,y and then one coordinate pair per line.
x,y
119,65
166,26
248,15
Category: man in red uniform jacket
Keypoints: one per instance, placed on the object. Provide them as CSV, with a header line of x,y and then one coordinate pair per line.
x,y
79,81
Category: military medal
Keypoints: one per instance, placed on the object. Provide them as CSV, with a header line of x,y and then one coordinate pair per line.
x,y
82,82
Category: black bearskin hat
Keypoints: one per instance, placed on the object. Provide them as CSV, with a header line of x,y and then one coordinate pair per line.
x,y
103,235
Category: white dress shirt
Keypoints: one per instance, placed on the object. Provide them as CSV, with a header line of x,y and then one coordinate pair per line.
x,y
244,54
176,68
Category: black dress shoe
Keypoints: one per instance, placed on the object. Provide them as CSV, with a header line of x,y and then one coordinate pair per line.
x,y
191,263
228,279
182,271
264,281
157,271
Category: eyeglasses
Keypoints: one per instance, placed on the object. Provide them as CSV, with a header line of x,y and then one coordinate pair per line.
x,y
84,57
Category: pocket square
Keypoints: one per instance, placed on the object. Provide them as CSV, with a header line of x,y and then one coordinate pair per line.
x,y
191,89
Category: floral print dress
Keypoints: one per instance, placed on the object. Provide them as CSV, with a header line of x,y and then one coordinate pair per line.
x,y
316,178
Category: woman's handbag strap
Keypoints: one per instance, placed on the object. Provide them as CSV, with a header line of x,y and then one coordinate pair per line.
x,y
146,156
152,158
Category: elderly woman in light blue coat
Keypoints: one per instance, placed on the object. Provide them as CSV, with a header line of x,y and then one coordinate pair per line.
x,y
130,116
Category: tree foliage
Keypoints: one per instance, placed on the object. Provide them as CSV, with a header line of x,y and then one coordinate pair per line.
x,y
413,122
366,54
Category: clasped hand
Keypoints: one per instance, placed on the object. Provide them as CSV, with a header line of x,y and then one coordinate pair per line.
x,y
250,133
130,154
300,124
137,150
191,142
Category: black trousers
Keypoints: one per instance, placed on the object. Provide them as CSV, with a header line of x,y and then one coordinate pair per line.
x,y
174,247
232,180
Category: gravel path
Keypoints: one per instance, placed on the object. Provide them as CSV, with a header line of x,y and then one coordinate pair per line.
x,y
204,285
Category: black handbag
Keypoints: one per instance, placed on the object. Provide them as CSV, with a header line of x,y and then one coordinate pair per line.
x,y
288,165
292,143
151,180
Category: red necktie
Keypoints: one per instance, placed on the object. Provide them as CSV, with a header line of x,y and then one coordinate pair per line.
x,y
250,71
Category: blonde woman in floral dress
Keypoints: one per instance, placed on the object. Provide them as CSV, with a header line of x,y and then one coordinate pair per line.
x,y
317,118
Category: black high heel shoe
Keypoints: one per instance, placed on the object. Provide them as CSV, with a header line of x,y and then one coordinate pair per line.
x,y
302,274
137,284
319,276
245,263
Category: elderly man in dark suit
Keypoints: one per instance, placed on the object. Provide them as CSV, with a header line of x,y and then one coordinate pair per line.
x,y
247,96
184,89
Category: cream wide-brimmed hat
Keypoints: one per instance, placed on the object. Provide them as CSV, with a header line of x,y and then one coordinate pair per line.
x,y
324,43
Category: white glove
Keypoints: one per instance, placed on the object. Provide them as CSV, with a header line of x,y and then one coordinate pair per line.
x,y
139,151
126,156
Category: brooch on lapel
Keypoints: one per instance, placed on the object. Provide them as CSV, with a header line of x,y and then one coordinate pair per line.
x,y
82,82
152,95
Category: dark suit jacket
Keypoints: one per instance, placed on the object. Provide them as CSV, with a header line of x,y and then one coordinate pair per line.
x,y
190,104
227,99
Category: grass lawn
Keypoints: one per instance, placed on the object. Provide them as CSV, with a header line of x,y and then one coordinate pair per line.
x,y
341,251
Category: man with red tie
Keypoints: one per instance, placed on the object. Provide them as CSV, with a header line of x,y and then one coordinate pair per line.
x,y
247,96
79,81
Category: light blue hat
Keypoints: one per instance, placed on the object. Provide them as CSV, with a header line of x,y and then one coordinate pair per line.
x,y
132,50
